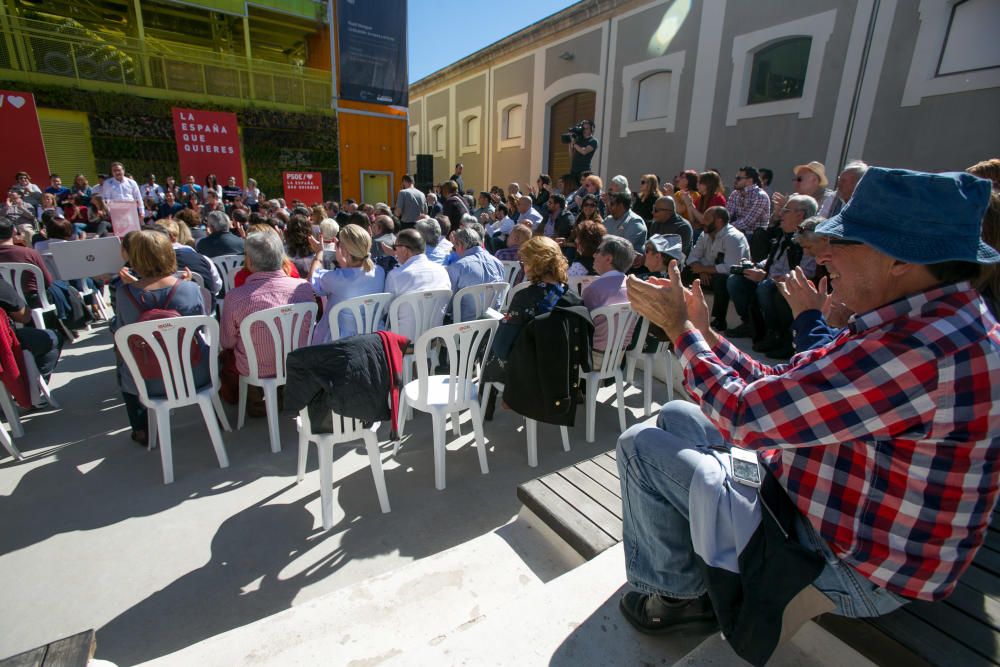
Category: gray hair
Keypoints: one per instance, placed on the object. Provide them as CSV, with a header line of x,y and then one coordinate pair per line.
x,y
467,237
621,182
431,197
855,167
804,202
430,230
329,228
264,250
468,220
217,221
621,251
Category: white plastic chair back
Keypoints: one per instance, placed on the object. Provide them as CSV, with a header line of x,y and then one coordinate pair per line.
x,y
463,343
486,295
427,308
13,273
195,277
170,341
579,283
289,328
511,267
228,266
648,361
620,320
514,290
368,312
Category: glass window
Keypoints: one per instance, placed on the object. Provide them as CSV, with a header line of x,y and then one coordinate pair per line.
x,y
438,134
654,96
971,43
514,117
471,132
414,148
779,70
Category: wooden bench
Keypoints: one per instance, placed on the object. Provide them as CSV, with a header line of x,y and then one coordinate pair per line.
x,y
582,504
73,651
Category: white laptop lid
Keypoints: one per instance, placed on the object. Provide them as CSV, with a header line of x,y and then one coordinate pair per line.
x,y
87,258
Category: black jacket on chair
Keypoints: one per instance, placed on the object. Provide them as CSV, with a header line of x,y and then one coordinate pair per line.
x,y
543,367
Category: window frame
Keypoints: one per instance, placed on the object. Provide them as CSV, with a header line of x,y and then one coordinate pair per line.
x,y
432,126
503,108
633,75
464,117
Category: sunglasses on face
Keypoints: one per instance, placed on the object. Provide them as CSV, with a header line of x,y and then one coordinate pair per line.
x,y
590,205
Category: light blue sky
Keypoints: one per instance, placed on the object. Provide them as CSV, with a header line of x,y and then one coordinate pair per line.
x,y
442,32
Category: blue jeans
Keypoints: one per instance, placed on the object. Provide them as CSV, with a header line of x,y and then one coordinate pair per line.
x,y
656,465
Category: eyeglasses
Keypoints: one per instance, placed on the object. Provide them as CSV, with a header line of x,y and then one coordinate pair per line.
x,y
642,182
397,246
590,204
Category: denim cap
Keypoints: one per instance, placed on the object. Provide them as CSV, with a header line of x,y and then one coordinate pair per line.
x,y
667,244
917,217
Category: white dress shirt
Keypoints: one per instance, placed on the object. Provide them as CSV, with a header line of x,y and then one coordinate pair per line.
x,y
417,274
729,245
124,190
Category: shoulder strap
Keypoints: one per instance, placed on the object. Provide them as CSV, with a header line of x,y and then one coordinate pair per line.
x,y
140,308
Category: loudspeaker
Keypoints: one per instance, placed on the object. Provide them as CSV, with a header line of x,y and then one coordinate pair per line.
x,y
425,172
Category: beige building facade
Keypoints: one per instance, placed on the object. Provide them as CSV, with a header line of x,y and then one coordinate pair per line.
x,y
674,84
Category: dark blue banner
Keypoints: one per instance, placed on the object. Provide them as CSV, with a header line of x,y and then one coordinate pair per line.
x,y
372,41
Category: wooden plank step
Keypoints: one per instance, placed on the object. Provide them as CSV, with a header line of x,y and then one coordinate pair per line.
x,y
579,532
602,477
928,641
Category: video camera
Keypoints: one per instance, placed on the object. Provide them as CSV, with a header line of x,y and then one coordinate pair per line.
x,y
575,133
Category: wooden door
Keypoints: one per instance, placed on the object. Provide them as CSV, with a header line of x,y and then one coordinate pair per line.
x,y
564,114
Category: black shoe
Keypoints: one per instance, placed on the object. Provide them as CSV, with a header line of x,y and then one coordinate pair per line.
x,y
656,615
719,325
742,331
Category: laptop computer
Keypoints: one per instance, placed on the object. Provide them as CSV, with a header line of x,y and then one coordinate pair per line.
x,y
87,258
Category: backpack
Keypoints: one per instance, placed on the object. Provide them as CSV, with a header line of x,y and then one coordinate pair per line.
x,y
145,357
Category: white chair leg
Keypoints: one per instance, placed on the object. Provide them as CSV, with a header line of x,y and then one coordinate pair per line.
x,y
166,453
564,432
271,406
8,443
44,388
375,460
214,433
456,423
477,426
221,412
438,421
630,360
151,429
326,482
38,318
400,422
12,414
241,405
592,383
303,449
648,366
620,391
407,377
531,431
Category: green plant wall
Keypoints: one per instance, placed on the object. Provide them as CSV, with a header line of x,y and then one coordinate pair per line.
x,y
139,132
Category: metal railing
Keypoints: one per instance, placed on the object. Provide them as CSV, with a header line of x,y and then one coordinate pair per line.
x,y
95,60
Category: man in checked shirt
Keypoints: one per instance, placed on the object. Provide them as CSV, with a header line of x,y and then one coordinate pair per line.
x,y
885,440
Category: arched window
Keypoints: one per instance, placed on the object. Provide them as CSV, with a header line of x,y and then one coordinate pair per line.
x,y
470,131
437,139
779,70
414,142
653,98
513,122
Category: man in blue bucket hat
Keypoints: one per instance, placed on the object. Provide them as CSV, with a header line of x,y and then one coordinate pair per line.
x,y
875,457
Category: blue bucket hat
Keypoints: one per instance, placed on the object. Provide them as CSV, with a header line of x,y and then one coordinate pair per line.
x,y
917,217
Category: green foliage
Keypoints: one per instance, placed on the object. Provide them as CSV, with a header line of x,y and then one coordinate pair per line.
x,y
139,132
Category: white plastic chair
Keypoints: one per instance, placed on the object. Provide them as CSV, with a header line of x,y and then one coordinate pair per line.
x,y
174,359
427,308
228,266
13,273
579,283
441,395
368,312
620,320
648,361
12,414
289,328
37,387
512,291
486,295
530,427
196,277
511,267
344,430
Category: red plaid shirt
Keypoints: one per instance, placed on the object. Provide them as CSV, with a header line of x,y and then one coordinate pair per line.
x,y
886,439
749,209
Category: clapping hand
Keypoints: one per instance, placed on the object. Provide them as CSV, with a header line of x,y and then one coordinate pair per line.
x,y
801,295
315,245
664,301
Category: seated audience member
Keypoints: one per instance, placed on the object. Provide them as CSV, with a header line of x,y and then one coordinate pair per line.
x,y
286,264
438,247
709,195
151,284
518,236
76,213
98,217
220,240
474,266
383,230
17,210
328,231
717,250
434,208
613,258
356,275
558,224
297,235
484,212
191,220
12,250
686,187
847,181
646,198
43,344
666,221
57,229
267,286
748,205
988,169
589,210
56,188
756,287
526,214
415,273
189,258
589,235
659,250
887,523
623,222
591,185
501,222
810,179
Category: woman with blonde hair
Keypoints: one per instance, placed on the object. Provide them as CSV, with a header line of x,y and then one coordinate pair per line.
x,y
649,192
356,275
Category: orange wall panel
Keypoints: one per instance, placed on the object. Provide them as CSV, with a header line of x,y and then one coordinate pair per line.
x,y
318,47
369,143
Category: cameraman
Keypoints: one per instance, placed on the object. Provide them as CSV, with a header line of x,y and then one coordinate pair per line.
x,y
582,149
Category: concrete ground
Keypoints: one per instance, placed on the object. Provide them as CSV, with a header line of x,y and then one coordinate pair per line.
x,y
90,537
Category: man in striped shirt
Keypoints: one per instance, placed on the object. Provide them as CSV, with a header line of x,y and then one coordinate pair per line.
x,y
886,440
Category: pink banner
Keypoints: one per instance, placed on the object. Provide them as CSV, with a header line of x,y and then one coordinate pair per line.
x,y
305,186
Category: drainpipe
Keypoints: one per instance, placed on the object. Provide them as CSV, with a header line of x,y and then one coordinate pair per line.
x,y
855,97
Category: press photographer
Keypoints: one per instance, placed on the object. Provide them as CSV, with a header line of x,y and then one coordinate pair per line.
x,y
582,146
